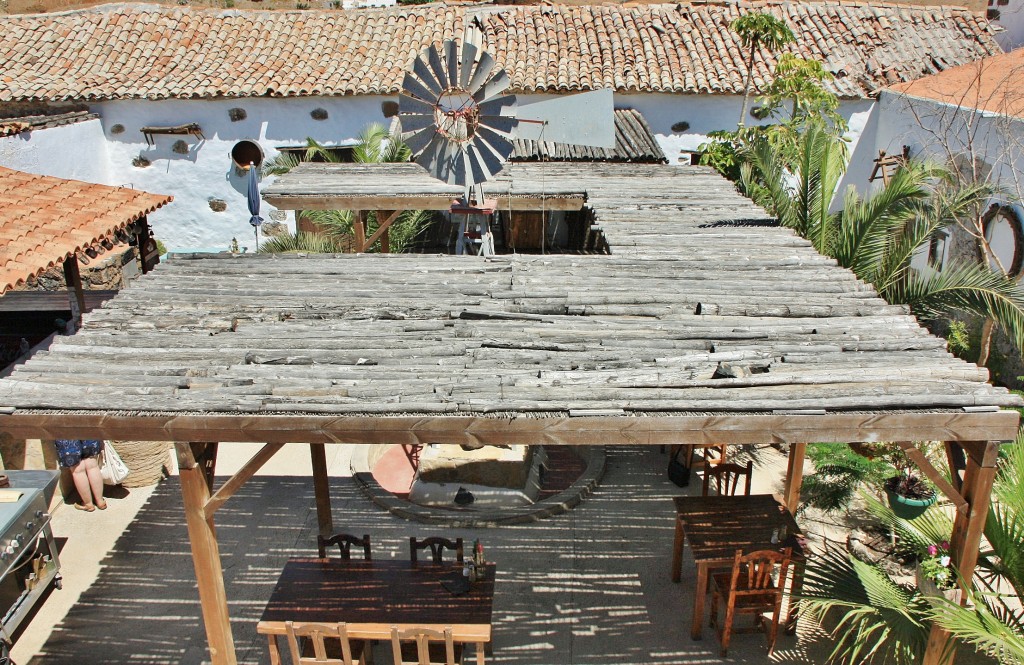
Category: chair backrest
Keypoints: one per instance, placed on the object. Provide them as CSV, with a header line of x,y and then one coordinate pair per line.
x,y
316,634
437,546
344,542
422,637
727,478
755,573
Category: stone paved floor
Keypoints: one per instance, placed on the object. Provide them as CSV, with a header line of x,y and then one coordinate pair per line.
x,y
589,587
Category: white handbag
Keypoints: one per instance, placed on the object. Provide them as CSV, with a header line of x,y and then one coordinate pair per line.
x,y
112,468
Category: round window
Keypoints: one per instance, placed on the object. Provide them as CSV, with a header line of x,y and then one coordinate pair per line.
x,y
247,152
1004,234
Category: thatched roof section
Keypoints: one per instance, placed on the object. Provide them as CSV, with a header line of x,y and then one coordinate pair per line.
x,y
704,308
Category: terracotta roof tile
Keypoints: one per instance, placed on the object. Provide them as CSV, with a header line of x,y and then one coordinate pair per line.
x,y
44,220
153,52
992,84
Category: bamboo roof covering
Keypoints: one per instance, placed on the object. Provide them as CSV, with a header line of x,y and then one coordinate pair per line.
x,y
707,321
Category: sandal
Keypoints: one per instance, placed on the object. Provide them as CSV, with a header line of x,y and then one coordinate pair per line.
x,y
101,506
87,507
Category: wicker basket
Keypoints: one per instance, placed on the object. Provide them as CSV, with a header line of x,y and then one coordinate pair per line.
x,y
148,461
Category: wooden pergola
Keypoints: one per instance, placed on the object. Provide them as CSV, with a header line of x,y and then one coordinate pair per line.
x,y
707,324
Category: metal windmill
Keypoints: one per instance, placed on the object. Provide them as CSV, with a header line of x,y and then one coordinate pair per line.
x,y
459,122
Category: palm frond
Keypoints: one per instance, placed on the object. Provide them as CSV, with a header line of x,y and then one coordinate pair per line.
x,y
871,618
931,528
302,242
966,288
989,629
334,223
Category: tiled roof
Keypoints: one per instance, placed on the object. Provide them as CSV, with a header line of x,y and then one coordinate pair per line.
x,y
44,220
153,52
992,84
28,123
634,142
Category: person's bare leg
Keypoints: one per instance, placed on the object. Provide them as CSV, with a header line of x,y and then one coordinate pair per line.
x,y
81,477
92,469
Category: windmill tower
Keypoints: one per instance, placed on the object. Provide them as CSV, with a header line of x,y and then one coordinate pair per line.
x,y
460,122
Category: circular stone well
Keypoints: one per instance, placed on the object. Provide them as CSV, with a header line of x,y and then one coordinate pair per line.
x,y
384,474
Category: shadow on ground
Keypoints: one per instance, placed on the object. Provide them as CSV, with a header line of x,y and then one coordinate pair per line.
x,y
589,587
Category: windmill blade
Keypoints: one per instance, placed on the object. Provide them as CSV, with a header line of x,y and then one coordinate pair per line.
x,y
482,72
415,88
497,85
436,66
408,105
418,140
486,164
451,61
500,146
461,172
412,123
501,124
433,155
426,78
584,119
469,52
504,106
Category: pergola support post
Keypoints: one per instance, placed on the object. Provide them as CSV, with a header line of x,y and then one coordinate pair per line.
x,y
76,296
321,489
964,543
195,492
794,476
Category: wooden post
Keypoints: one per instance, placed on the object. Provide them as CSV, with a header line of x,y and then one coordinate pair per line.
x,y
206,558
76,296
965,540
359,226
385,242
794,476
322,489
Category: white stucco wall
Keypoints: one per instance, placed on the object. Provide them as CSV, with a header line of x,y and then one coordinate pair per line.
x,y
939,132
92,151
1011,20
207,171
77,151
707,113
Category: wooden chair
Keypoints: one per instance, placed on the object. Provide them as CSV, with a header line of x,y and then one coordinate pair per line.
x,y
437,547
422,646
712,454
344,542
318,640
727,478
752,587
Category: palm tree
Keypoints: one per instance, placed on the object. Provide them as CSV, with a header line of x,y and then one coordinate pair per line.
x,y
876,237
882,620
376,145
757,30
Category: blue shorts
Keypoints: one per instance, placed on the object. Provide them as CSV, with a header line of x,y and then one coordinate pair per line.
x,y
72,451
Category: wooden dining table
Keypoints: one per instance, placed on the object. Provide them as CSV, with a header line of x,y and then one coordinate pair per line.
x,y
717,526
373,596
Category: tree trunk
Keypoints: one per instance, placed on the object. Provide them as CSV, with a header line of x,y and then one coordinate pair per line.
x,y
746,85
985,343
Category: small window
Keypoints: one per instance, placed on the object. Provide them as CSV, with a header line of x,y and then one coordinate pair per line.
x,y
247,152
937,249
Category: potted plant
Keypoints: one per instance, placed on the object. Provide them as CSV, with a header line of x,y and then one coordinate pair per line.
x,y
840,469
909,494
934,572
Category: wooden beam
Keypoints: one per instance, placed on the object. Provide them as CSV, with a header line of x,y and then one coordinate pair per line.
x,y
382,228
205,455
934,475
794,476
322,489
951,457
965,541
359,227
76,296
561,430
983,454
206,558
419,202
232,485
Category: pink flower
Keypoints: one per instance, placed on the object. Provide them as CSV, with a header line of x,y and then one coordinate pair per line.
x,y
944,545
932,550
